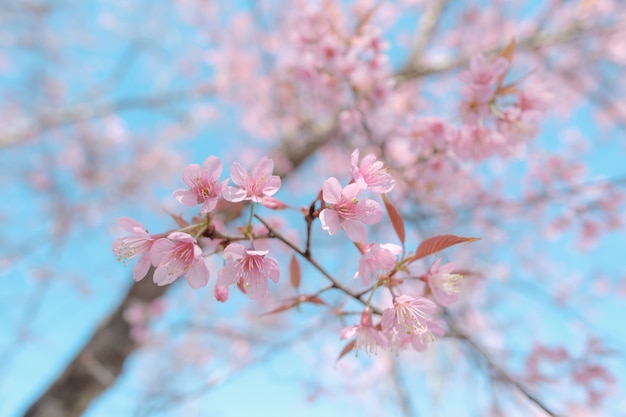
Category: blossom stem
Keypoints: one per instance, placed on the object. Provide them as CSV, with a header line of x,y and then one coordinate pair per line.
x,y
335,283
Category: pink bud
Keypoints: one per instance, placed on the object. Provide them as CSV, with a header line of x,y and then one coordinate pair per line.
x,y
221,293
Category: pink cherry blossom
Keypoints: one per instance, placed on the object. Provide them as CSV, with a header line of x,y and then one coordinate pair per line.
x,y
410,323
345,210
249,269
178,255
255,186
444,285
482,78
409,315
203,184
377,259
368,338
372,171
138,243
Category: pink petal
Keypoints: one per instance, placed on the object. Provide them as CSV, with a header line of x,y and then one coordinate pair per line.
x,y
355,230
256,286
331,191
209,205
354,189
271,185
213,166
186,197
234,252
395,249
372,212
141,268
348,332
234,195
330,221
182,237
190,173
162,276
198,275
263,168
238,174
227,275
129,224
272,269
159,250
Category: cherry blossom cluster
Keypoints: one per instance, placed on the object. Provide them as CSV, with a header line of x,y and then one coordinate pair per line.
x,y
410,322
178,253
493,122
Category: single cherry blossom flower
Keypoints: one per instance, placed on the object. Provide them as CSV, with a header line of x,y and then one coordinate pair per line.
x,y
368,338
138,243
444,285
178,255
256,185
249,269
421,341
377,259
344,210
203,183
409,315
410,322
372,172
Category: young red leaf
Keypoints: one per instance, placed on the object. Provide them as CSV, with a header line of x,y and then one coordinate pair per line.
x,y
438,243
295,276
396,219
346,349
315,300
179,220
284,307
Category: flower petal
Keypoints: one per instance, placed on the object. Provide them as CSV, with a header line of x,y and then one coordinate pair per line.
x,y
331,190
355,230
330,221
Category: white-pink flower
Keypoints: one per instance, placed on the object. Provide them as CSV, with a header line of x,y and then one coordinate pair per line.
x,y
249,269
256,185
138,243
368,338
344,210
377,259
178,255
444,285
410,323
203,183
372,172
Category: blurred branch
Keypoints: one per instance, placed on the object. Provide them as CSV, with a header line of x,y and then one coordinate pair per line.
x,y
499,371
55,118
415,69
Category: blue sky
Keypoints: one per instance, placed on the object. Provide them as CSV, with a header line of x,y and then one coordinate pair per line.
x,y
61,314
